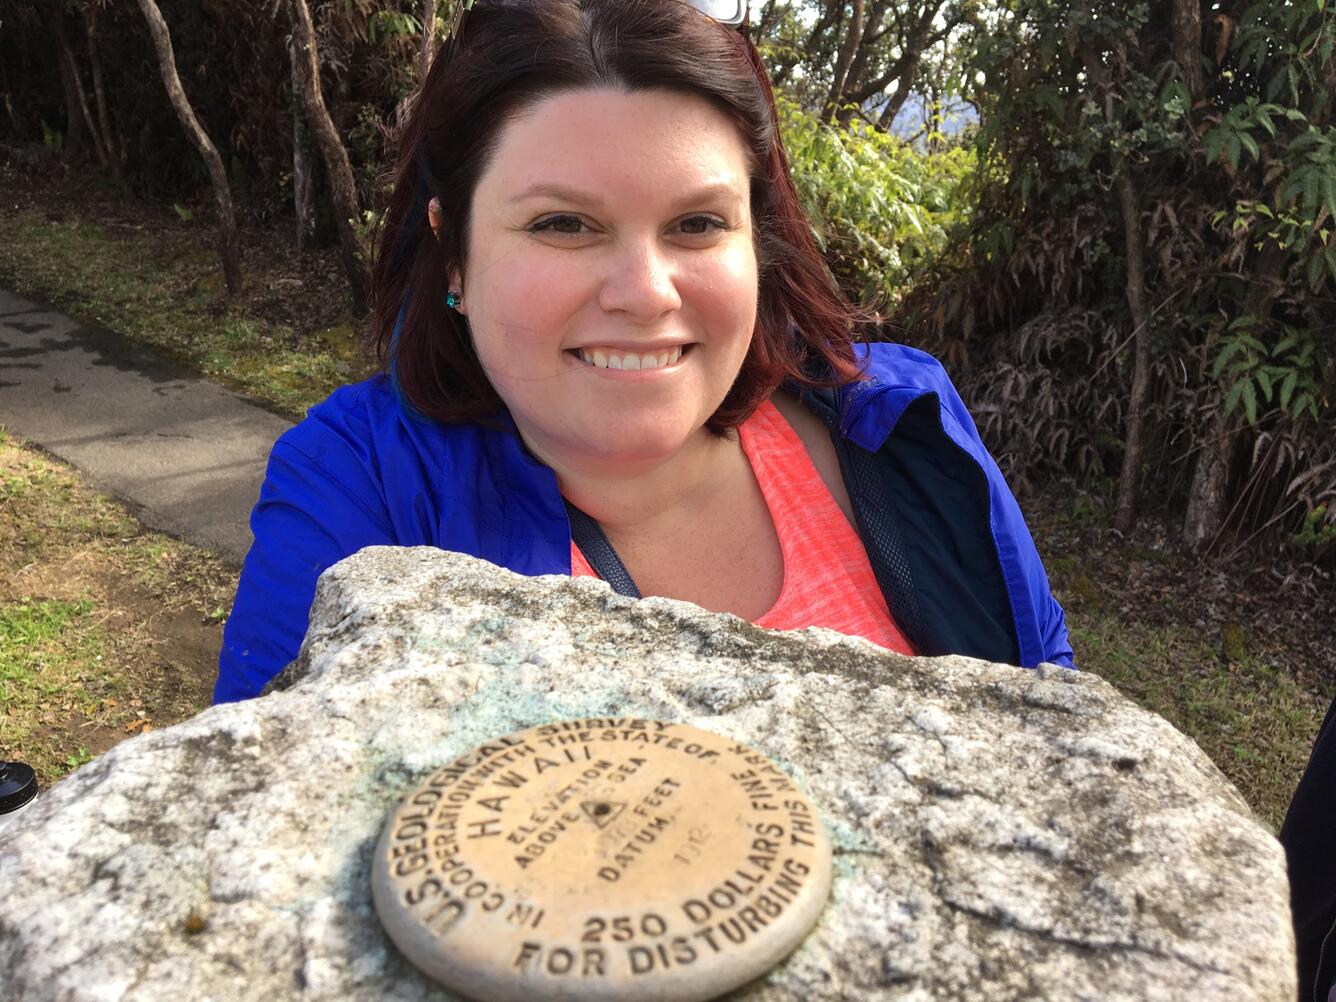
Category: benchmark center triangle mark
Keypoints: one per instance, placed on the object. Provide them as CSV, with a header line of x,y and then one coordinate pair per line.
x,y
601,812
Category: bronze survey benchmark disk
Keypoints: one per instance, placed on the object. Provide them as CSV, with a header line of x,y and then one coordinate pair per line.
x,y
602,859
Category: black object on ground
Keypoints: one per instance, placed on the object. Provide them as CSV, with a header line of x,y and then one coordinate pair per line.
x,y
18,785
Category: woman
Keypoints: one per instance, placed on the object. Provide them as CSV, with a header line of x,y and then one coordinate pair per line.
x,y
612,347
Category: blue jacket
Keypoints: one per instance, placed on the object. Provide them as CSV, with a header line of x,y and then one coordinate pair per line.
x,y
943,532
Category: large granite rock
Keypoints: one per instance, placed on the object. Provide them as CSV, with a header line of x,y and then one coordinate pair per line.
x,y
999,834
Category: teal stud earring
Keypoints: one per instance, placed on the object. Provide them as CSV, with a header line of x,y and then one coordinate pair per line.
x,y
452,300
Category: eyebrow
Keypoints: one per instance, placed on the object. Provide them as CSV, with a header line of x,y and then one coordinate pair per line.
x,y
575,196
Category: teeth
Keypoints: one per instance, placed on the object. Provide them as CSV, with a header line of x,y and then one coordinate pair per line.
x,y
629,360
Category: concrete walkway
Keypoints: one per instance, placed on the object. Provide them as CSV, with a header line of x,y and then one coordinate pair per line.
x,y
187,455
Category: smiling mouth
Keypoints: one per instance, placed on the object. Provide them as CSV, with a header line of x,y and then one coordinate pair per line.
x,y
608,358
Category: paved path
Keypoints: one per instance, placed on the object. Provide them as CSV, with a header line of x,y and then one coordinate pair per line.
x,y
187,455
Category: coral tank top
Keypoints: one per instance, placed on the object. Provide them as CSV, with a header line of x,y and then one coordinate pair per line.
x,y
828,580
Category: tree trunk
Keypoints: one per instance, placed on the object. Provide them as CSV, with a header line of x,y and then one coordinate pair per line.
x,y
74,122
303,177
114,147
932,117
428,36
1129,478
1208,497
222,193
867,47
845,59
338,170
73,67
1186,28
897,101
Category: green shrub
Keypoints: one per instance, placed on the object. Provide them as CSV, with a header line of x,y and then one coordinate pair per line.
x,y
881,206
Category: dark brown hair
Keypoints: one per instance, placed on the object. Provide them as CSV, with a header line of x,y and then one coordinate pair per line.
x,y
515,52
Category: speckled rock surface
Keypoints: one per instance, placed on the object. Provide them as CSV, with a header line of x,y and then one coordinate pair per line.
x,y
999,834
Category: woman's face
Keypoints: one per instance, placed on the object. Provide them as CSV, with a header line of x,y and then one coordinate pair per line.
x,y
611,279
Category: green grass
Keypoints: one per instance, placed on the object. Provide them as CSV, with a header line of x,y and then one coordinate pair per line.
x,y
49,654
1253,719
106,628
30,631
161,286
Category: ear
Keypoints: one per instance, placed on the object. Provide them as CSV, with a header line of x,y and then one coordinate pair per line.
x,y
456,281
435,216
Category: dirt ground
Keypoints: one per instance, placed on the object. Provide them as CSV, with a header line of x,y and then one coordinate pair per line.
x,y
1267,601
106,628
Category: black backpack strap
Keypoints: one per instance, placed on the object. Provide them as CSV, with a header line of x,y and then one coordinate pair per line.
x,y
588,535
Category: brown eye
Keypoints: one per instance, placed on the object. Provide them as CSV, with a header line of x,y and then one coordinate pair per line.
x,y
697,226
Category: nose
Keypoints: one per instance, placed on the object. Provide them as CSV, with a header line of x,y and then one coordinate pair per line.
x,y
640,283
